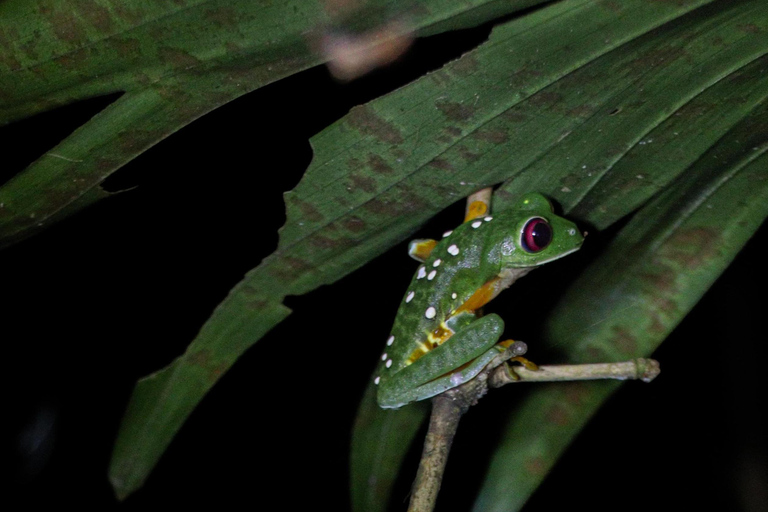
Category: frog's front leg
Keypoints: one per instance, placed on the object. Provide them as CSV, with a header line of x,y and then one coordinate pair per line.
x,y
473,347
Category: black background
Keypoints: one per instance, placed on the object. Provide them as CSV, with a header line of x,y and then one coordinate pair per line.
x,y
119,290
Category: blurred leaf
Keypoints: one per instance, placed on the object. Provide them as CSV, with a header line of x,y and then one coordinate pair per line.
x,y
380,441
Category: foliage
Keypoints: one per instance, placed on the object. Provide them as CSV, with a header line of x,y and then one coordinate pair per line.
x,y
647,113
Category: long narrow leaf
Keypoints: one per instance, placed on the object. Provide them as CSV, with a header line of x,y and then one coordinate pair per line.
x,y
631,298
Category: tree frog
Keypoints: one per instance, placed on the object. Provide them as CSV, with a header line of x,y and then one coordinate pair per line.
x,y
439,340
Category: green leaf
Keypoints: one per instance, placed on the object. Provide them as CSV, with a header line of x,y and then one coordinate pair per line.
x,y
303,262
630,298
390,165
174,62
603,140
380,441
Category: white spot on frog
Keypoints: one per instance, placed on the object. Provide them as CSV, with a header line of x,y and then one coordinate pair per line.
x,y
432,275
377,380
390,341
437,262
488,219
447,233
389,363
384,356
430,313
453,250
477,224
410,296
421,274
453,295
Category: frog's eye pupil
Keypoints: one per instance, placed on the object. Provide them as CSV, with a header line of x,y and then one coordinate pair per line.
x,y
537,234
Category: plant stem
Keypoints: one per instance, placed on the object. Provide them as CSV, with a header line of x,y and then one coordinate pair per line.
x,y
442,428
636,369
448,407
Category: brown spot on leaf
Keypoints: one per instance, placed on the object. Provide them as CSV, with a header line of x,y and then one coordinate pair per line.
x,y
354,164
524,77
441,163
200,358
177,58
691,247
288,268
223,17
307,210
453,131
468,155
365,120
624,340
492,136
323,242
582,111
662,277
105,165
97,15
749,28
545,99
354,224
466,65
11,62
131,15
364,183
455,111
535,466
612,5
515,116
662,56
657,324
379,165
256,304
382,207
558,415
593,353
66,26
72,60
576,393
204,360
126,47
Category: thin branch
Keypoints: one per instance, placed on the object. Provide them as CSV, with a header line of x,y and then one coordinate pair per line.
x,y
448,407
636,369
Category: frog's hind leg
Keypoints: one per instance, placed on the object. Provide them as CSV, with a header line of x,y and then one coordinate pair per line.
x,y
437,370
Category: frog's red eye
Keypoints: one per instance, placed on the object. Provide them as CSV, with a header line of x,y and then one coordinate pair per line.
x,y
537,234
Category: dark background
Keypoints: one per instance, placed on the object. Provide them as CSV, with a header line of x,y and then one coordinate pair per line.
x,y
119,290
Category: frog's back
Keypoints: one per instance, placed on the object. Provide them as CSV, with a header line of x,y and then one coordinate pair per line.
x,y
431,309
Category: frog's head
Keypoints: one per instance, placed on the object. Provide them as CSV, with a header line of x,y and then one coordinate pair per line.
x,y
539,235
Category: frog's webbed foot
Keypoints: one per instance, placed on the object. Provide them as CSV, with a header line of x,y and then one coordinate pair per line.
x,y
519,348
